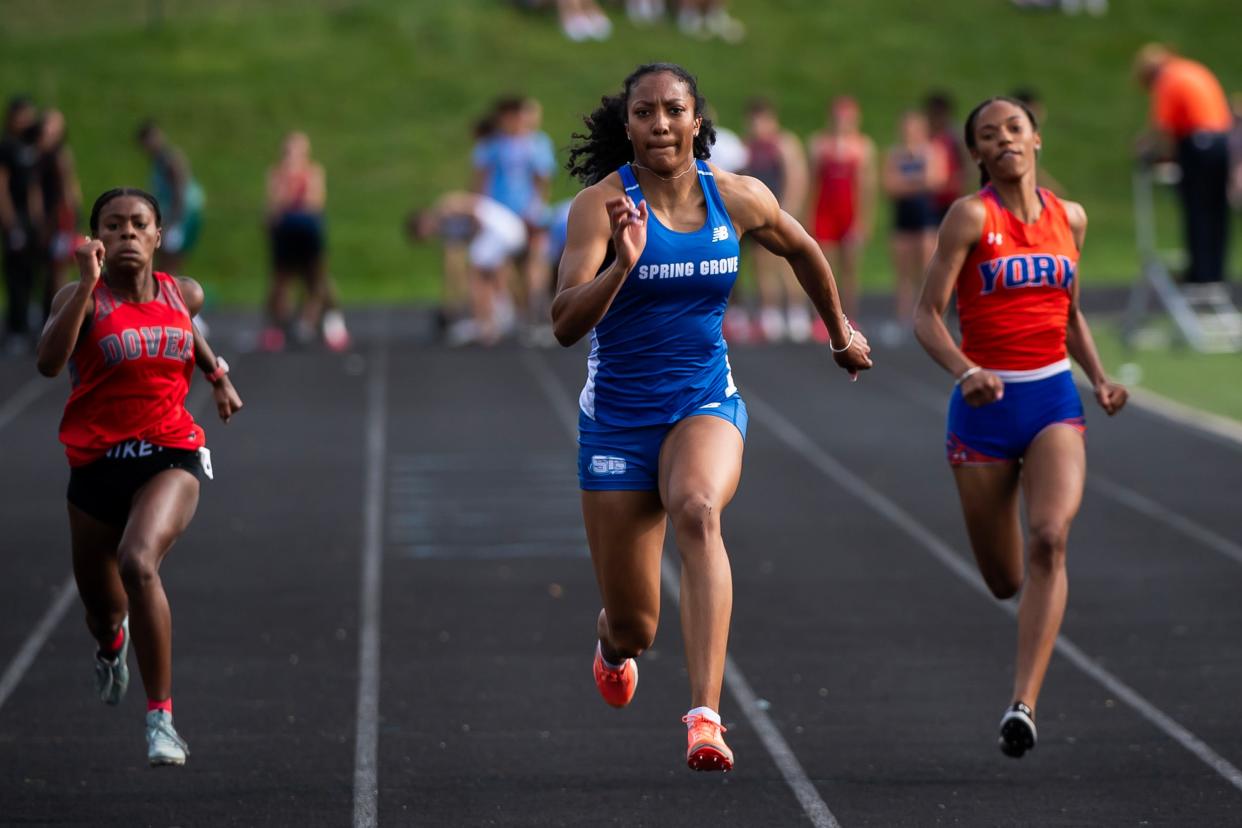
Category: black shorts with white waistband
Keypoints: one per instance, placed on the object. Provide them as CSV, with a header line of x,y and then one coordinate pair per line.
x,y
105,488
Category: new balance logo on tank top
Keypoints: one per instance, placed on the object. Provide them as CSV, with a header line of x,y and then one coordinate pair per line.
x,y
658,353
1013,292
131,373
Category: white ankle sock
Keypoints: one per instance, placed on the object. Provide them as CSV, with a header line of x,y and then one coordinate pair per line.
x,y
706,713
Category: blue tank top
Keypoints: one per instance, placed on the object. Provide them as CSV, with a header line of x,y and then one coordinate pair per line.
x,y
658,353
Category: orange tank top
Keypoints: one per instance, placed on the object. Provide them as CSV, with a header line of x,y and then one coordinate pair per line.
x,y
1014,290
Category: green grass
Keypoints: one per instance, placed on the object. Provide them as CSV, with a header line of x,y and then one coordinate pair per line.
x,y
1212,382
387,89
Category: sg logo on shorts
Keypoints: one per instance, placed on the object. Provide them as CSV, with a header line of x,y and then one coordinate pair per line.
x,y
603,464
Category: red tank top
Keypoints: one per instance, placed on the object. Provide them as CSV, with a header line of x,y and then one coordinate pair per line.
x,y
131,373
838,172
1013,292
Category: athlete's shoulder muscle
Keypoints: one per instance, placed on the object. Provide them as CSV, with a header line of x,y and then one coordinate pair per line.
x,y
963,224
1077,217
750,203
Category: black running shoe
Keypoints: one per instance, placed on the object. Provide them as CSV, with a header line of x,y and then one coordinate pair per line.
x,y
1017,731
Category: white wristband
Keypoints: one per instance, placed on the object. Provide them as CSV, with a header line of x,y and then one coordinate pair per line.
x,y
848,342
967,374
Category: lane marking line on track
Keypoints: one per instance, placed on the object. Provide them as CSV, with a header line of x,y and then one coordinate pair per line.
x,y
735,680
34,642
29,650
1119,493
802,445
366,741
27,394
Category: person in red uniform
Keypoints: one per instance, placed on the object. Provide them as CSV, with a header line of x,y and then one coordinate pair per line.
x,y
1015,420
136,456
843,174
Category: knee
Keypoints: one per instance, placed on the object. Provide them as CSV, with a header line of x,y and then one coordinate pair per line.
x,y
1046,546
631,636
695,517
1003,585
138,570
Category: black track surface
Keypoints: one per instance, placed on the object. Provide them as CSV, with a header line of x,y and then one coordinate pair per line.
x,y
885,672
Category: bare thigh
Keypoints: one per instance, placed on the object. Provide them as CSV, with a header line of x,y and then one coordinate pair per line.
x,y
95,546
625,531
700,464
989,496
1053,473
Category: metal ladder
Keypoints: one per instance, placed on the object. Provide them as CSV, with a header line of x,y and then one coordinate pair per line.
x,y
1204,315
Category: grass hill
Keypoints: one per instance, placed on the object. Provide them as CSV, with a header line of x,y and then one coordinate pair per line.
x,y
387,89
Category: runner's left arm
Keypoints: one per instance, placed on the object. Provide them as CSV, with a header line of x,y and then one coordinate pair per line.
x,y
1078,340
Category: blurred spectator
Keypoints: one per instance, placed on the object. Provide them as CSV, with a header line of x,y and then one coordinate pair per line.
x,y
497,236
580,19
1235,152
709,18
1032,100
843,178
1093,7
514,165
20,210
946,135
179,196
1190,114
296,195
62,201
644,11
914,171
775,157
728,150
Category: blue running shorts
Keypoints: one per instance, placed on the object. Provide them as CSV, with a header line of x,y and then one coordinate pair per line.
x,y
617,458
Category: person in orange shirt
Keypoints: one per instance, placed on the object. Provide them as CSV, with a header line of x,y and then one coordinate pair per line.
x,y
1190,115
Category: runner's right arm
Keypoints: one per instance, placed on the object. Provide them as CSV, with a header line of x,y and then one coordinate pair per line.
x,y
71,308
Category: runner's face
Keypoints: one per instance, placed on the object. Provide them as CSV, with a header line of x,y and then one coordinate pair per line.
x,y
662,122
128,232
1005,143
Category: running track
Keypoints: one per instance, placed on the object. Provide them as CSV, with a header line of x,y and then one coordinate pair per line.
x,y
384,615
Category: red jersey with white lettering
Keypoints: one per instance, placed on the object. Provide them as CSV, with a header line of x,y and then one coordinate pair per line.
x,y
1013,292
131,373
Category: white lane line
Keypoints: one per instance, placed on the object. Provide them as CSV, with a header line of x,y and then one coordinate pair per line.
x,y
735,680
1114,491
366,742
801,444
34,642
1225,429
29,651
1146,506
27,394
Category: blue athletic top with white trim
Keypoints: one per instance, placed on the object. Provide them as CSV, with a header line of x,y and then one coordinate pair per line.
x,y
659,353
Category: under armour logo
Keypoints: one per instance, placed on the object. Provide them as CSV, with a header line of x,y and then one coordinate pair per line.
x,y
720,233
996,239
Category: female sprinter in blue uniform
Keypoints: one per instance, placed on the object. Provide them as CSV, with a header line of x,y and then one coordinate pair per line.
x,y
1015,420
651,256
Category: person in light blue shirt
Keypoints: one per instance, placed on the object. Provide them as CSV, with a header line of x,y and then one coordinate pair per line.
x,y
513,165
650,258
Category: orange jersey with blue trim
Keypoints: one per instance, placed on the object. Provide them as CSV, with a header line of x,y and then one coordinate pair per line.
x,y
1013,292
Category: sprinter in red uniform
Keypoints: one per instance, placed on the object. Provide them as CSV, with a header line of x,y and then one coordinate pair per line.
x,y
1015,420
136,456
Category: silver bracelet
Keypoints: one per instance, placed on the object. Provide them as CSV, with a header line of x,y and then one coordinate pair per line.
x,y
967,374
848,342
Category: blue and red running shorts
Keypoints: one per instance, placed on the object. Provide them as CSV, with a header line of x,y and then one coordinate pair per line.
x,y
1001,431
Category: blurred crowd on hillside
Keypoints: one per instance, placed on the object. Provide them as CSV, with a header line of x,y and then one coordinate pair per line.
x,y
502,235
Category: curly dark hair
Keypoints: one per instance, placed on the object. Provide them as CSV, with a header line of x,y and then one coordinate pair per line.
x,y
604,147
120,192
984,178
